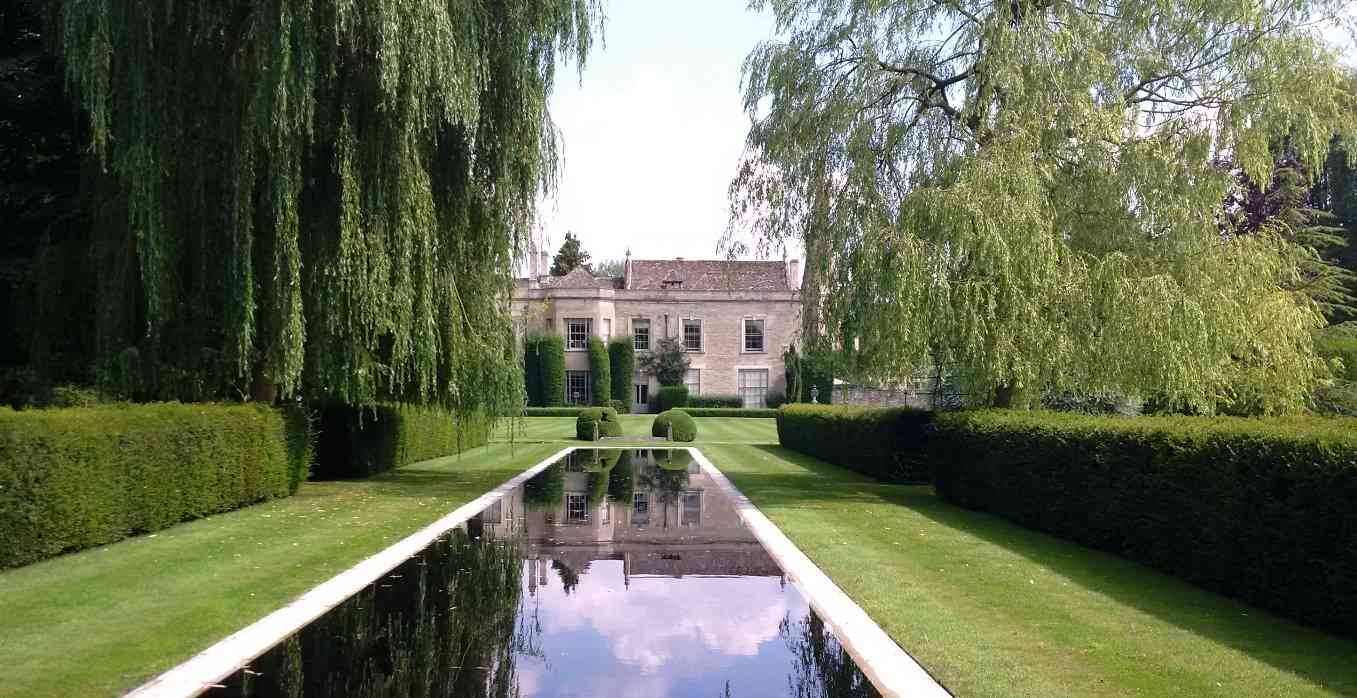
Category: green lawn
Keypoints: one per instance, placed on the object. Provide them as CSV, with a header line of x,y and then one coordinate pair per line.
x,y
992,609
99,622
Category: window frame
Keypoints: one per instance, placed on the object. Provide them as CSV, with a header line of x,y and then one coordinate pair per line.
x,y
636,335
745,391
744,335
695,387
683,508
701,335
583,501
588,331
588,397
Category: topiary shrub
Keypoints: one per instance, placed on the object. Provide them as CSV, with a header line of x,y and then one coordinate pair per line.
x,y
1261,510
362,441
622,366
81,477
604,417
715,401
887,443
551,360
685,429
671,396
600,376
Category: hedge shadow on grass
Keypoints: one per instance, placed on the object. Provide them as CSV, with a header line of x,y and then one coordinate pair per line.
x,y
1253,631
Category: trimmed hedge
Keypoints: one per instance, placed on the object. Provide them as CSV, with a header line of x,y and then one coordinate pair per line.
x,y
606,419
600,376
671,396
1259,510
685,429
551,358
532,368
755,412
553,411
887,443
622,366
81,477
362,441
715,401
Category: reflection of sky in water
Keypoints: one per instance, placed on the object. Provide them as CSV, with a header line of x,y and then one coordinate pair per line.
x,y
660,637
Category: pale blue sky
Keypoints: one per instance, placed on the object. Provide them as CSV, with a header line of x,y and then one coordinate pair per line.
x,y
654,132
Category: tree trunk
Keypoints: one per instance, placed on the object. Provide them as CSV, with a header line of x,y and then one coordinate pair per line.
x,y
1009,396
262,387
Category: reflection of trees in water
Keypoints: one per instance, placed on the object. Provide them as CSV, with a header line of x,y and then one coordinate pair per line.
x,y
667,484
820,666
441,625
622,478
546,489
569,577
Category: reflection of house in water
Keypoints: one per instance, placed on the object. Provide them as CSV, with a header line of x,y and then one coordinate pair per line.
x,y
663,516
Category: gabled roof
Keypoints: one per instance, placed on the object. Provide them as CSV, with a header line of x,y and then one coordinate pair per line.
x,y
706,275
577,278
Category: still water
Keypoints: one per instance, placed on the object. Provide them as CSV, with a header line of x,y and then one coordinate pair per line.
x,y
614,572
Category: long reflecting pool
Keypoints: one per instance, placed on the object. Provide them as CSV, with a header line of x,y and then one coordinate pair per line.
x,y
614,572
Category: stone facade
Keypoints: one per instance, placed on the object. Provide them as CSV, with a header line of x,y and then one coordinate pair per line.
x,y
715,303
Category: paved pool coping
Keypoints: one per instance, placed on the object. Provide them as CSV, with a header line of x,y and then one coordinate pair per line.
x,y
892,670
209,667
889,667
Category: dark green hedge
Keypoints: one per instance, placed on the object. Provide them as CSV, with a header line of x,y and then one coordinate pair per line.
x,y
622,366
685,429
363,441
715,401
671,396
606,419
600,376
763,412
889,444
81,477
1264,511
553,411
532,368
551,358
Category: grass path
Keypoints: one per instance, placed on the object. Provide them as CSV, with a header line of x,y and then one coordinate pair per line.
x,y
993,609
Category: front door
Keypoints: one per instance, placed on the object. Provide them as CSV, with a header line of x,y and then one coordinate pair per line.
x,y
642,395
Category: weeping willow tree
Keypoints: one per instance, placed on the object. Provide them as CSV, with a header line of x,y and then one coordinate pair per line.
x,y
318,197
1026,190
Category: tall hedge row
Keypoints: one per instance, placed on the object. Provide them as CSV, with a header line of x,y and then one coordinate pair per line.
x,y
532,369
889,444
671,396
622,366
1261,510
81,477
551,362
600,375
363,441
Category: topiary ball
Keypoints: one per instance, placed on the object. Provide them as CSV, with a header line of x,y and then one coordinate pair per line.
x,y
685,429
605,417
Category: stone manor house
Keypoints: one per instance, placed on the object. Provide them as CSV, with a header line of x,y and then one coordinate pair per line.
x,y
734,318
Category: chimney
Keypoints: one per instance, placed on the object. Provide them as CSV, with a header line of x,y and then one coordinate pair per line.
x,y
794,274
626,270
544,265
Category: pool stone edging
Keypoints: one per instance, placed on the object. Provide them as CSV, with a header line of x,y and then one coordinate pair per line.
x,y
889,667
209,667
